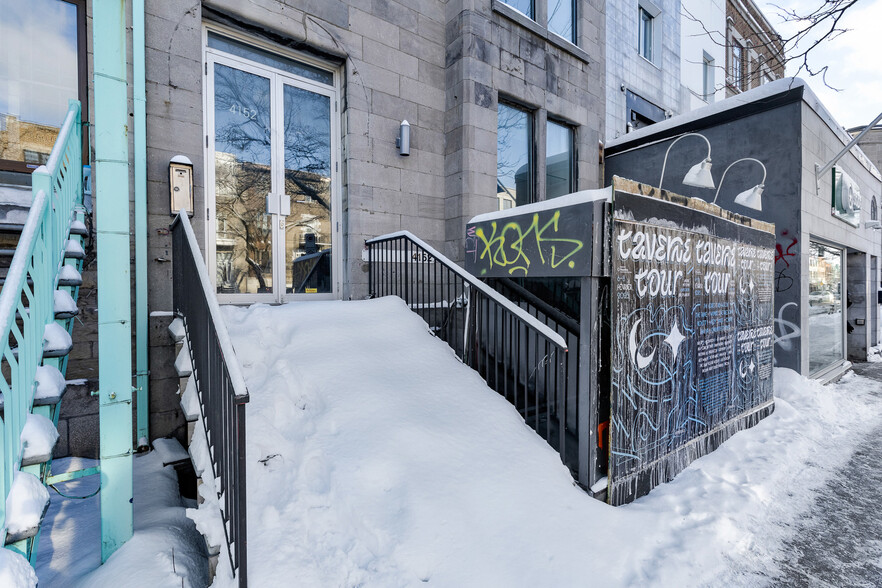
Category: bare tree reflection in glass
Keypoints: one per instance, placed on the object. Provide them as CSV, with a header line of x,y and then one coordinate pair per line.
x,y
308,184
513,173
243,161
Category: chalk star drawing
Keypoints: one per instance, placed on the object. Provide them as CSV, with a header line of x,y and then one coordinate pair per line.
x,y
674,339
633,349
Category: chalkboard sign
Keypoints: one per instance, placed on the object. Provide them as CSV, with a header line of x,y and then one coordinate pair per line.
x,y
692,330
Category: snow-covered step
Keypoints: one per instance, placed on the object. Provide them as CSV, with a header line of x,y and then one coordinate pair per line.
x,y
189,400
38,439
78,228
183,364
56,341
64,305
51,386
69,277
73,250
170,451
25,507
176,330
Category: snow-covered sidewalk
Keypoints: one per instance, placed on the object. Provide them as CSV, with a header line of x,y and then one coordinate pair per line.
x,y
375,458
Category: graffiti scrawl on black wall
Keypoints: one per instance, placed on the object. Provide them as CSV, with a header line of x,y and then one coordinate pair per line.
x,y
693,337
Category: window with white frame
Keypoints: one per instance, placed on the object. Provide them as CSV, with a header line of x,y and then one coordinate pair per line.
x,y
646,32
735,74
707,78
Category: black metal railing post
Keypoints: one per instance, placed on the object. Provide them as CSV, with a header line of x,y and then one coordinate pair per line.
x,y
219,386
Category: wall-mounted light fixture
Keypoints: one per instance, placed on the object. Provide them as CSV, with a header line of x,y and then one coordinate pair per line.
x,y
403,140
699,175
180,183
752,198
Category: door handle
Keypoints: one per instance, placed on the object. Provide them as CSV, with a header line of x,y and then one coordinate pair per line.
x,y
278,204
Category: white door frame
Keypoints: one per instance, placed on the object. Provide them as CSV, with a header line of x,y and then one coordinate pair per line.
x,y
277,79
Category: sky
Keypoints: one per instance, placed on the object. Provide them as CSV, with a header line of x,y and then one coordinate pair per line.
x,y
853,59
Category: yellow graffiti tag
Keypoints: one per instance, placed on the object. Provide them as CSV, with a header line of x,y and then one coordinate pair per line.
x,y
498,251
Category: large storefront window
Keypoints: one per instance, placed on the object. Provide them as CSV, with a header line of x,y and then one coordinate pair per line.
x,y
826,331
40,70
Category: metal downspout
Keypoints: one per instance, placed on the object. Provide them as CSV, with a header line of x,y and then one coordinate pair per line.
x,y
142,375
114,273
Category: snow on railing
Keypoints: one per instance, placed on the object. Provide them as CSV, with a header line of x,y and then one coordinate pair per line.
x,y
26,300
219,384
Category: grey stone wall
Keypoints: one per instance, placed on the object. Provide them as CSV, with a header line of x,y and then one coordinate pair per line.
x,y
492,53
442,65
659,81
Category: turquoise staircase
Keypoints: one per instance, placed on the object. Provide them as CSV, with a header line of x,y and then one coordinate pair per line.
x,y
37,309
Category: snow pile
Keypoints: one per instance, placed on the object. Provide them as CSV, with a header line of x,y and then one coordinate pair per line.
x,y
376,458
165,550
15,571
38,436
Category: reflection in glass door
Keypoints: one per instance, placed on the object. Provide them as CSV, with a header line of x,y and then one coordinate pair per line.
x,y
826,328
270,167
242,179
308,186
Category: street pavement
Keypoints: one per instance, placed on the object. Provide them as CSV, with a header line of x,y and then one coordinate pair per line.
x,y
840,541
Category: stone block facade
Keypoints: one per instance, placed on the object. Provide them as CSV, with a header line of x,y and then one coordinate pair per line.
x,y
442,66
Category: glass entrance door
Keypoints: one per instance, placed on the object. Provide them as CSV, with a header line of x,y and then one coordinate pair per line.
x,y
271,163
308,230
242,179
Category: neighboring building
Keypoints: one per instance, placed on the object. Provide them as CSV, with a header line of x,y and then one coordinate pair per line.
x,y
754,51
871,143
642,63
702,52
827,260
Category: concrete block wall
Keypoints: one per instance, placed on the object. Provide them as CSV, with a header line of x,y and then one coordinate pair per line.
x,y
657,82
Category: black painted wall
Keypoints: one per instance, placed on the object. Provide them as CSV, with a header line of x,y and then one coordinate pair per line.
x,y
774,137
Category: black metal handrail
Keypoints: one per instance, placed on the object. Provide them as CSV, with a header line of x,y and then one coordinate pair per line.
x,y
219,385
517,354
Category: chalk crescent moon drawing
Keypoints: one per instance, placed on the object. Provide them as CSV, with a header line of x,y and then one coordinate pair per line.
x,y
641,360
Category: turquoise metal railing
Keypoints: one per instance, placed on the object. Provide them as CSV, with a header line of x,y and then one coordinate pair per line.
x,y
27,297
